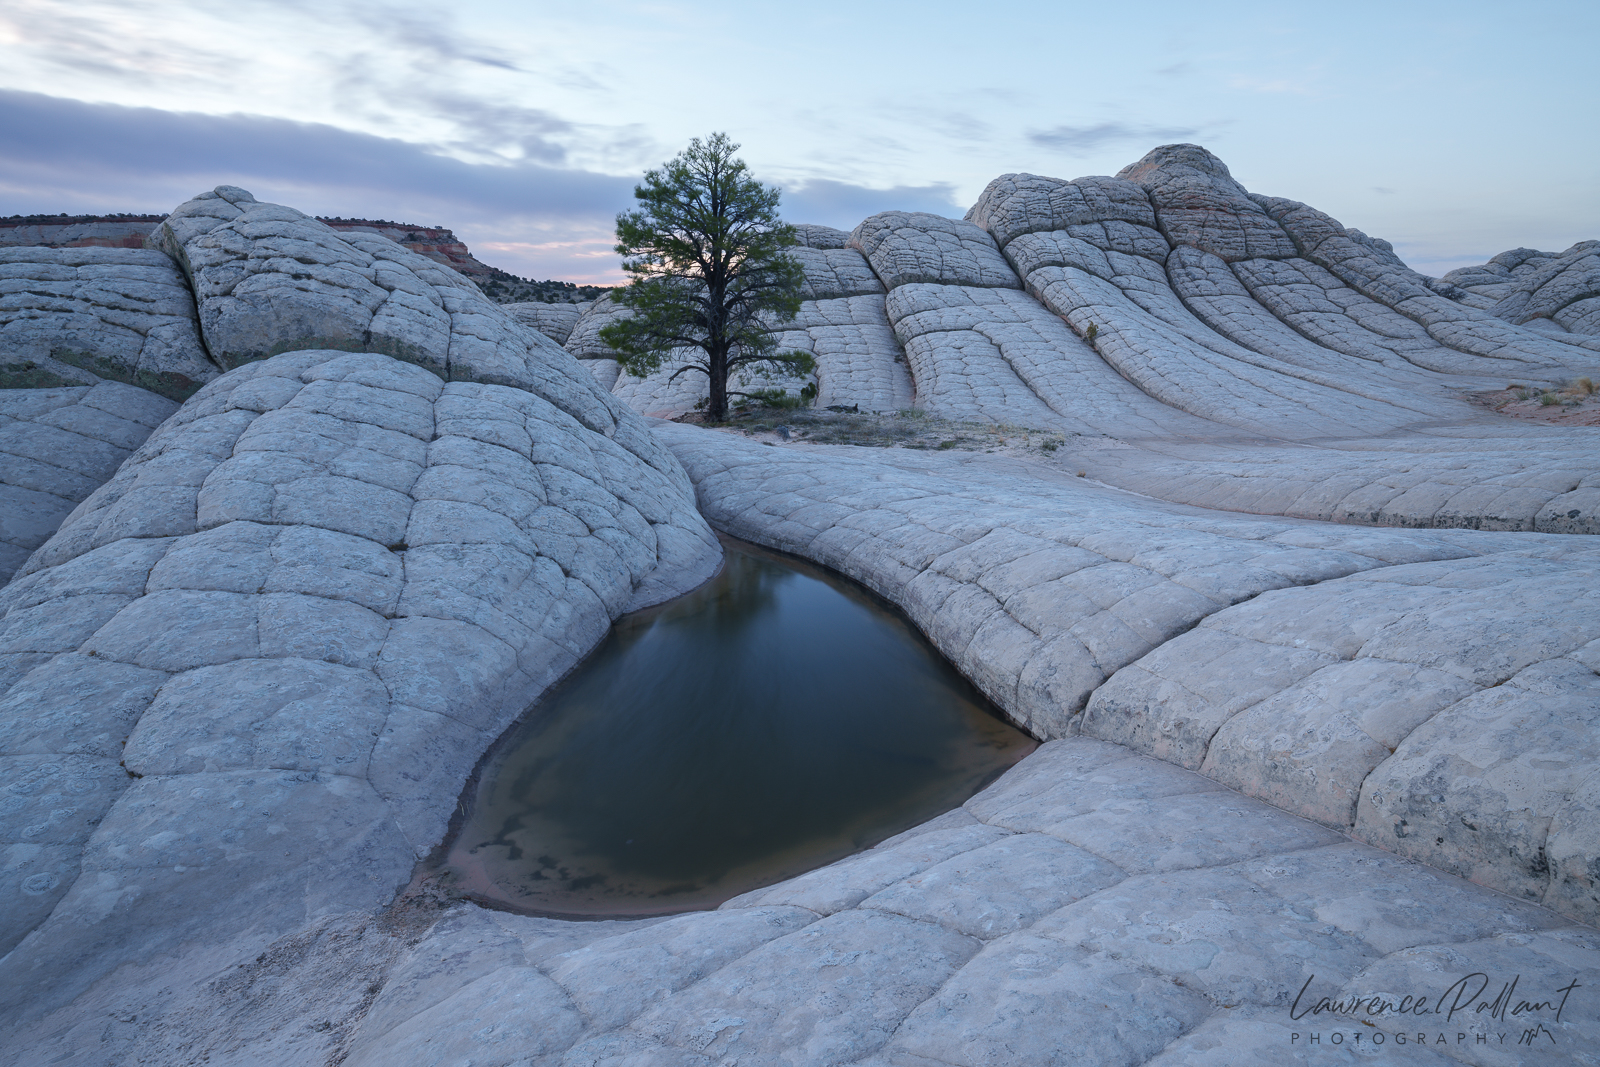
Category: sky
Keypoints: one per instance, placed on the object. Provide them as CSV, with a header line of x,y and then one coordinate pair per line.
x,y
1455,130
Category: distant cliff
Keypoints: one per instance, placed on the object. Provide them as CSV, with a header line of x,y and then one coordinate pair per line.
x,y
78,231
437,243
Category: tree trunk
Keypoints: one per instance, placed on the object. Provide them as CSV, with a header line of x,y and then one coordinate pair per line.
x,y
717,405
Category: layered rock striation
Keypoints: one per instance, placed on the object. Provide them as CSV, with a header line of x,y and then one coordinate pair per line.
x,y
78,316
1251,351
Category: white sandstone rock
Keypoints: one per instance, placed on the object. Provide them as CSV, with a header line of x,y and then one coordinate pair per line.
x,y
306,604
905,247
57,446
71,316
555,321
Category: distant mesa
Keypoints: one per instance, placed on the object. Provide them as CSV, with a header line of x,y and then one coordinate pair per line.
x,y
77,231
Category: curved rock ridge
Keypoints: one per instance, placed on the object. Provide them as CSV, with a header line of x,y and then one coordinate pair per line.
x,y
811,235
251,672
1177,329
1539,289
906,247
1449,713
1169,306
831,273
1014,205
1474,476
1197,203
1370,266
270,279
998,356
583,338
1441,678
555,321
1225,324
77,316
1173,318
859,362
56,447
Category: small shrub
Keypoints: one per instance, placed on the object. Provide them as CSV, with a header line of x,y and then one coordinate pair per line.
x,y
946,444
1549,400
1092,332
1050,446
1584,386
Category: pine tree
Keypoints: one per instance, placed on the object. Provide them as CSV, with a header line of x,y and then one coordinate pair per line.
x,y
711,283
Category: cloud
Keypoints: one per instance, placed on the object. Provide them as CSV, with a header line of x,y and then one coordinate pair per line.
x,y
842,204
66,155
89,43
537,219
427,34
507,130
1084,140
99,145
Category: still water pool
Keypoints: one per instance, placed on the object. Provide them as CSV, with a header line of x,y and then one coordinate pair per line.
x,y
776,719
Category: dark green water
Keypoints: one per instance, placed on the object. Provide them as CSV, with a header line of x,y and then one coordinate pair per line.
x,y
776,719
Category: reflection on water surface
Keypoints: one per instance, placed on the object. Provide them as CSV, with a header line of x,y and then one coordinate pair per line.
x,y
774,720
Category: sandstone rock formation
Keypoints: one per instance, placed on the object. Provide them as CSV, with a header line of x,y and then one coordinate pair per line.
x,y
304,564
434,242
1362,665
289,625
1091,907
58,446
1253,352
1313,642
77,316
555,321
1539,289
